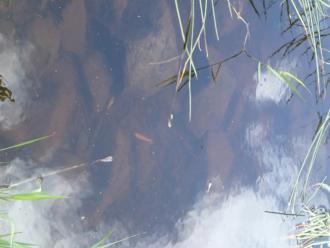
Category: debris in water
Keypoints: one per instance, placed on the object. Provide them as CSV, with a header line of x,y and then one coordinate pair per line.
x,y
106,159
110,103
5,93
143,138
4,186
39,180
169,122
56,172
209,187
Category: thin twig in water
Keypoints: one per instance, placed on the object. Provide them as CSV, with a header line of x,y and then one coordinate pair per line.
x,y
286,214
60,171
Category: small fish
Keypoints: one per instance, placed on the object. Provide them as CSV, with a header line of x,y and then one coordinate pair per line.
x,y
143,138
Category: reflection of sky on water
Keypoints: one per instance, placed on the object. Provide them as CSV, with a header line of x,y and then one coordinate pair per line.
x,y
87,76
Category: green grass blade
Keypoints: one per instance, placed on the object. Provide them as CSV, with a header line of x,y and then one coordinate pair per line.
x,y
102,240
33,196
214,20
229,8
284,78
25,143
192,51
311,14
308,162
173,79
259,73
187,33
319,140
118,241
6,244
299,81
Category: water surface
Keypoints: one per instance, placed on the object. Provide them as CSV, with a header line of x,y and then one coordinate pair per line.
x,y
85,70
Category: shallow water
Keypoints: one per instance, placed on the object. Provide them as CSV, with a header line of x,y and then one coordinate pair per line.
x,y
83,70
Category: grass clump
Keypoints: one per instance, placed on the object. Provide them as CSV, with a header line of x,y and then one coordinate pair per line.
x,y
193,34
284,76
312,17
315,231
300,187
10,193
102,243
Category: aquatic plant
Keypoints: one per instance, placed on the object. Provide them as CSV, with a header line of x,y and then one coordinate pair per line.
x,y
304,174
310,16
102,243
26,143
307,19
192,36
286,77
193,33
315,230
10,193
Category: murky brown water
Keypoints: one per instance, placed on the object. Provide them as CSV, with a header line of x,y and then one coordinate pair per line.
x,y
87,77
